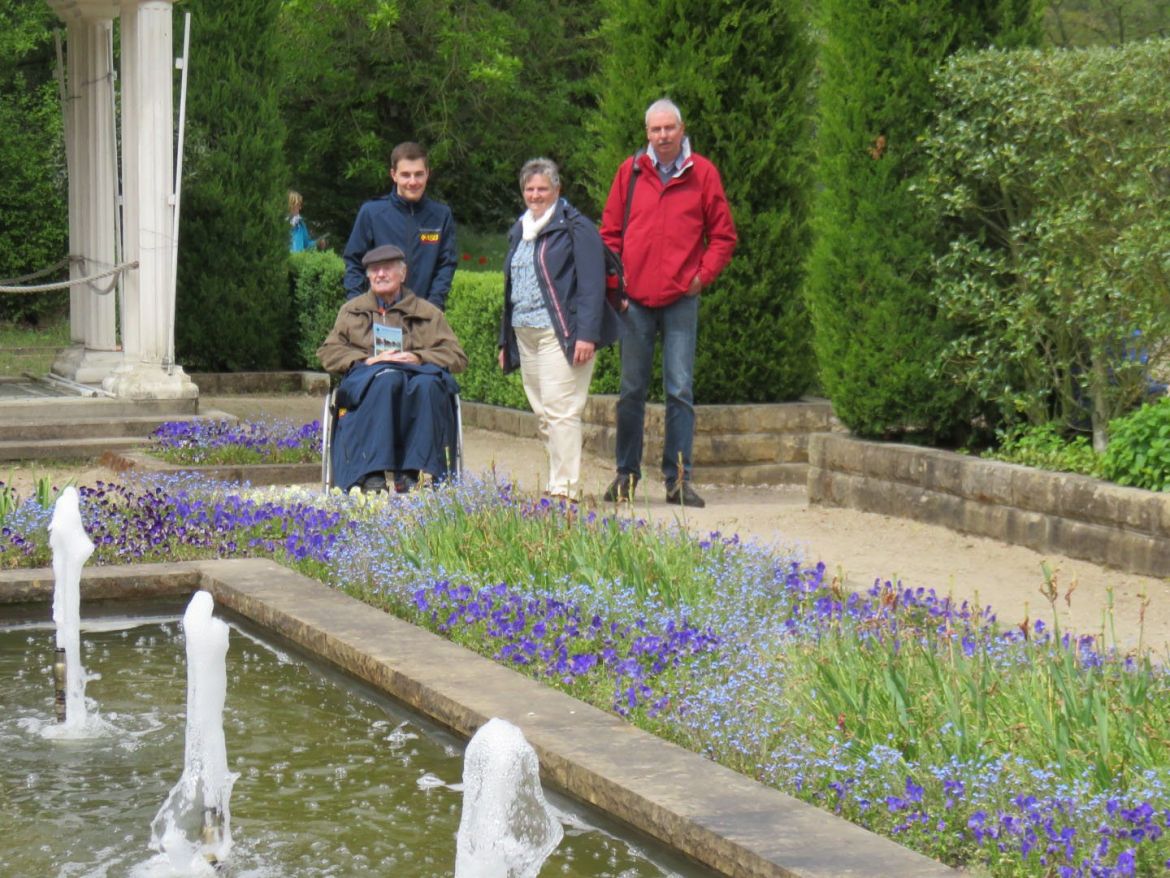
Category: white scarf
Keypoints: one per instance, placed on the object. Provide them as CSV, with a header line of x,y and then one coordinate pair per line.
x,y
530,227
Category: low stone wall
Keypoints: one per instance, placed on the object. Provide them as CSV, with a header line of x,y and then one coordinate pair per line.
x,y
1125,528
734,444
262,383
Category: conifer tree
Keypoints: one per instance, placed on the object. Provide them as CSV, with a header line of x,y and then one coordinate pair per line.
x,y
233,300
740,73
877,332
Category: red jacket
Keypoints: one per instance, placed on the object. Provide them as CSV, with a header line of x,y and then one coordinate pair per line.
x,y
674,230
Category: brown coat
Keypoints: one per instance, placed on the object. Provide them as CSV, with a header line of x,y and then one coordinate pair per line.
x,y
425,332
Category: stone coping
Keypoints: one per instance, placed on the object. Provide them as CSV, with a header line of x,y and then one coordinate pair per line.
x,y
714,815
257,474
266,383
1078,516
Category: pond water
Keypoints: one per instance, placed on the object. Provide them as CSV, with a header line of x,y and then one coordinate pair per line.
x,y
334,780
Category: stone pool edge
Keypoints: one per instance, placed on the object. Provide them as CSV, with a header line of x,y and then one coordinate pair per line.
x,y
712,814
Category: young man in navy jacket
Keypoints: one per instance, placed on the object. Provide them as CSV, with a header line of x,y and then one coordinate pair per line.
x,y
423,228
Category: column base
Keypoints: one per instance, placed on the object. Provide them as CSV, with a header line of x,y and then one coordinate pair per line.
x,y
150,381
84,366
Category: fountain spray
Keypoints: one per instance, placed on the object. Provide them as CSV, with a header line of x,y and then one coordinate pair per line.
x,y
194,823
71,549
507,829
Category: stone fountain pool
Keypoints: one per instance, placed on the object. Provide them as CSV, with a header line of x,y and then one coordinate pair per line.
x,y
334,778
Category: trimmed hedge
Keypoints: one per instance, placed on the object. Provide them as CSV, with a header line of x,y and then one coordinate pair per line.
x,y
1052,171
473,312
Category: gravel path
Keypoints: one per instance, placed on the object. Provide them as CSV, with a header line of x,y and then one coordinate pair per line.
x,y
856,546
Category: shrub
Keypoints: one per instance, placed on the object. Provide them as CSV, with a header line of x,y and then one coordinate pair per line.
x,y
318,291
1044,446
232,298
740,72
1053,172
1139,448
878,334
33,233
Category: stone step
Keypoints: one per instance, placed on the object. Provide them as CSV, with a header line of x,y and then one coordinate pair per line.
x,y
139,426
50,409
93,448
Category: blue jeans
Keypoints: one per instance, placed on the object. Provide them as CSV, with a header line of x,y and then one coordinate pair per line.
x,y
677,323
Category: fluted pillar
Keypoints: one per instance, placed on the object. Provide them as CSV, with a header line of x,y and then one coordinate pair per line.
x,y
147,187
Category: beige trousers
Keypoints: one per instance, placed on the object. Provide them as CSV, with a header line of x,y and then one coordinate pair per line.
x,y
557,393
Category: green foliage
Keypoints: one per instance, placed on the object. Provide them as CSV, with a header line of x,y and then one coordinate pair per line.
x,y
1139,448
473,310
540,546
460,78
232,300
33,228
318,292
1053,173
944,701
740,73
877,331
1044,446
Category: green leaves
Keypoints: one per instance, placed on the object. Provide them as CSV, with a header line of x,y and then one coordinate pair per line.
x,y
1049,170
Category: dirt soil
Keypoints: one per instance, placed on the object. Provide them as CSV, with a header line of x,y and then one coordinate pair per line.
x,y
858,547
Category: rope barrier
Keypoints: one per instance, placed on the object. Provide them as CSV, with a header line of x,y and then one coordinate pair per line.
x,y
65,284
59,265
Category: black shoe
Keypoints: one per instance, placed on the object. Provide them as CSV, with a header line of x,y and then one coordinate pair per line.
x,y
682,494
405,481
374,483
621,489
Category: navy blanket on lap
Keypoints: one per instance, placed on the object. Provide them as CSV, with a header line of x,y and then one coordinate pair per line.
x,y
396,417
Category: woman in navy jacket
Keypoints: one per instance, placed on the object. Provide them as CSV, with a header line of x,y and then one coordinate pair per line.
x,y
555,316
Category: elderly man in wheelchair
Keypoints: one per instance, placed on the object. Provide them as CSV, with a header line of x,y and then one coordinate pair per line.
x,y
395,404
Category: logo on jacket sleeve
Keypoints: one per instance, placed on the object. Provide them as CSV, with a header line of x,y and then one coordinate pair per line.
x,y
428,236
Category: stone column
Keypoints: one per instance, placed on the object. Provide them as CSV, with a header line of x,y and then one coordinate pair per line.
x,y
92,199
147,187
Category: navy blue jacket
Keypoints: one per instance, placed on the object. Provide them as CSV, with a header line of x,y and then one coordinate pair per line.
x,y
425,230
570,268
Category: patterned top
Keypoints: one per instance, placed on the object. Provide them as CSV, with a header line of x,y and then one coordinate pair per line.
x,y
527,303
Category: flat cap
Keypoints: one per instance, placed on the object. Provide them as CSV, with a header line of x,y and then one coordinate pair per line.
x,y
385,253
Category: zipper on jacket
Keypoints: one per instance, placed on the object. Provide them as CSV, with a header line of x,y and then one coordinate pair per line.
x,y
548,285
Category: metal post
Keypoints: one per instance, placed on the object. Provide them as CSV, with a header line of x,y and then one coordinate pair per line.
x,y
59,680
180,63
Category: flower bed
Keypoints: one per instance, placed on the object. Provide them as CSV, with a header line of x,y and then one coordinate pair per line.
x,y
1026,750
224,442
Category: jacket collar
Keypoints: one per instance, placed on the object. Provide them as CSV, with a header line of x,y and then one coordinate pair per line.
x,y
404,205
405,303
684,158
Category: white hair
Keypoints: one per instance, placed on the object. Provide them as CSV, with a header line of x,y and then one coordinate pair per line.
x,y
664,105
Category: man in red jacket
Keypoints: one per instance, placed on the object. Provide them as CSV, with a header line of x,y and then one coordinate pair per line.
x,y
674,237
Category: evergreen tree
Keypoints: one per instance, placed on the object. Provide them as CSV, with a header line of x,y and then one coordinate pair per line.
x,y
233,298
877,332
483,84
33,213
740,73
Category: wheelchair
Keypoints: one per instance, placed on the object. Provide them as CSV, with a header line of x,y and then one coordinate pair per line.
x,y
329,417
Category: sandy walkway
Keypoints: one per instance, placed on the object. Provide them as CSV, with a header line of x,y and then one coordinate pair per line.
x,y
858,546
